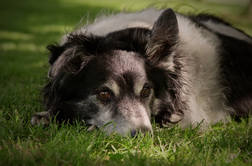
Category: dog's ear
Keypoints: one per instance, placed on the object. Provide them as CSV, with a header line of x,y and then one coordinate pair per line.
x,y
161,51
163,37
72,56
71,60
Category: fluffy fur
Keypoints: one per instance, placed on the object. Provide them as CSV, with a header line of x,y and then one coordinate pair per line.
x,y
128,67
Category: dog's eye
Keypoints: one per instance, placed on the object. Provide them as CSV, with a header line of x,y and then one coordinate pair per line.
x,y
145,92
104,95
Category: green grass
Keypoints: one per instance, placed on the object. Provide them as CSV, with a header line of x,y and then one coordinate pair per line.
x,y
26,27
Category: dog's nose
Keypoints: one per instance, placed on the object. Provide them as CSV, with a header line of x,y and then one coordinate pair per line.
x,y
142,130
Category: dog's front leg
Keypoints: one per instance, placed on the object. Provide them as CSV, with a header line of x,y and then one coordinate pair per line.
x,y
41,118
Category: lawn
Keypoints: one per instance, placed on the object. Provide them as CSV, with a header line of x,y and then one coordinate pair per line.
x,y
27,26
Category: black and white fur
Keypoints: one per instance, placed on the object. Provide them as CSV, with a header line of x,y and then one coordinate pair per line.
x,y
176,68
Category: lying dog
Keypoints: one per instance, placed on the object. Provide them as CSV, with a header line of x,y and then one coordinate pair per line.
x,y
128,67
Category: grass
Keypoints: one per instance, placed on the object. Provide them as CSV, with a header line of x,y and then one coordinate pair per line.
x,y
26,27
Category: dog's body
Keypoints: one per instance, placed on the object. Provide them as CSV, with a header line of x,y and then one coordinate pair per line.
x,y
125,68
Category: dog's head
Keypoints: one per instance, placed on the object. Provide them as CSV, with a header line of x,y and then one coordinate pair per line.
x,y
122,78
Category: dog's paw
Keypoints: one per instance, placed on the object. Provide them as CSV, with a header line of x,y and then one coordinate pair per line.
x,y
40,118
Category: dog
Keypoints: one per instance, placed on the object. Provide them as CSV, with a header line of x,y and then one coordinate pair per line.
x,y
124,70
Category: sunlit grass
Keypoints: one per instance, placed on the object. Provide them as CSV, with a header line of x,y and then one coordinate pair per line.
x,y
51,29
24,46
15,36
